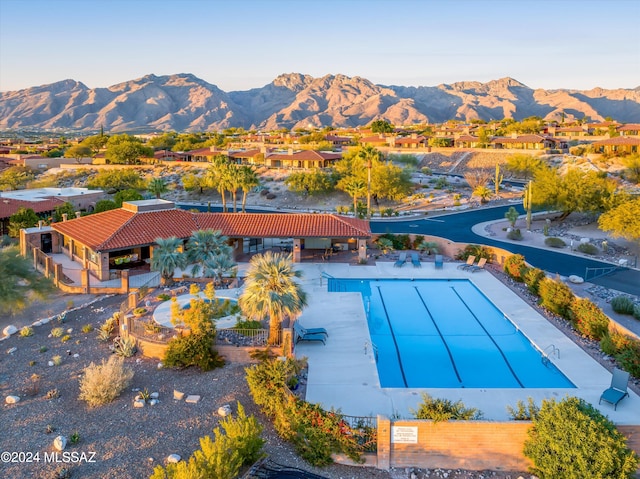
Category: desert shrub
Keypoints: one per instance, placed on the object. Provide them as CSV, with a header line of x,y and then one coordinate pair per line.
x,y
555,296
26,332
532,278
515,267
522,411
248,324
194,349
636,311
56,360
417,239
57,332
124,346
316,434
438,409
515,234
474,250
555,242
87,328
588,318
102,383
587,248
164,297
596,448
622,305
629,357
398,241
613,342
106,329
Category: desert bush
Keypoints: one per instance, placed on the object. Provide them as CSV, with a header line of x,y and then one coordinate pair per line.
x,y
438,409
56,360
555,296
522,411
622,305
515,267
26,332
164,297
532,278
636,311
588,318
587,248
57,332
555,242
125,347
194,349
613,342
629,357
106,329
596,448
515,234
87,328
102,383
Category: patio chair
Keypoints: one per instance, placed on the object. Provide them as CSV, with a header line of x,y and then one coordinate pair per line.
x,y
439,261
415,260
300,335
477,267
304,330
618,390
402,259
470,260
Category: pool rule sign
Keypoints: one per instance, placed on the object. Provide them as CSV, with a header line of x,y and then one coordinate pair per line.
x,y
404,435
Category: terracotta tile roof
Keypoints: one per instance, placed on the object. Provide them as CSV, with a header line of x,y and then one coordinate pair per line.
x,y
283,225
373,139
619,140
629,127
244,153
467,138
9,206
306,155
521,139
120,229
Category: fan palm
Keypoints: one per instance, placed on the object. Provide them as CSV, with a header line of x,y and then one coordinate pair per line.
x,y
157,186
204,245
219,265
248,180
217,177
271,291
167,257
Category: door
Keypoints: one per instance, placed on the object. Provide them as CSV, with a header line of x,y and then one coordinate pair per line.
x,y
46,245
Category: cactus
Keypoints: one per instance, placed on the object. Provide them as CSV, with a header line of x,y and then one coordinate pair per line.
x,y
526,202
498,179
125,346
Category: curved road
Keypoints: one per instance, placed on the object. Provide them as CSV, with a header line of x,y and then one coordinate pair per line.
x,y
457,227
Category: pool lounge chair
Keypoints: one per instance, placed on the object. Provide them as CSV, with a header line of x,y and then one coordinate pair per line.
x,y
439,261
415,260
300,335
477,267
304,330
468,264
618,390
402,259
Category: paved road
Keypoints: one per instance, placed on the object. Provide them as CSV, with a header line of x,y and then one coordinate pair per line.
x,y
457,227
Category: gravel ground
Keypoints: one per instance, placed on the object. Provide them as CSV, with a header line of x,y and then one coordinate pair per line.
x,y
117,440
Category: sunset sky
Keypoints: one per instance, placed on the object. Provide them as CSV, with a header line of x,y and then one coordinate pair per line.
x,y
243,44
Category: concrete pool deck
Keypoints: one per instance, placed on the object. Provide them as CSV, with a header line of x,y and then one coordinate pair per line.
x,y
343,374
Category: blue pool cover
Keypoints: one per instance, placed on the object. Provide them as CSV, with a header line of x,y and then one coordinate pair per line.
x,y
447,334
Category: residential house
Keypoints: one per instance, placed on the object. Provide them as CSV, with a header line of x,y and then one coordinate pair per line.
x,y
302,159
630,129
619,144
527,142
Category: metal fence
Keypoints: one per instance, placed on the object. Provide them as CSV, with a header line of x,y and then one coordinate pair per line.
x,y
245,337
365,429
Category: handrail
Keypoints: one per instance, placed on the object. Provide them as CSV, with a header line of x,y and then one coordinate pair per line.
x,y
546,356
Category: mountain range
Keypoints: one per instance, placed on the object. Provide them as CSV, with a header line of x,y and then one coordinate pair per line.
x,y
184,102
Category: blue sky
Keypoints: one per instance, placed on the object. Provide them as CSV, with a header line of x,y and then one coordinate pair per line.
x,y
243,44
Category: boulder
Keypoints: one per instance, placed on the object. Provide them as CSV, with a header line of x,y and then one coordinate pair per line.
x,y
138,403
576,279
59,443
9,330
173,458
177,395
192,399
224,411
12,399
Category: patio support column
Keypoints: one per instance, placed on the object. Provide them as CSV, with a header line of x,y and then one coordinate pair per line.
x,y
362,249
57,273
133,300
124,282
297,246
238,247
47,266
384,442
84,278
71,242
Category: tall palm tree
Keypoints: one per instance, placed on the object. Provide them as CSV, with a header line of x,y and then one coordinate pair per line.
x,y
354,187
217,177
370,156
157,186
234,182
204,245
271,291
167,257
248,180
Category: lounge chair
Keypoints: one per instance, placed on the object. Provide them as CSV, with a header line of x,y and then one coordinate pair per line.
x,y
300,335
477,267
469,263
415,260
439,261
402,259
304,330
618,390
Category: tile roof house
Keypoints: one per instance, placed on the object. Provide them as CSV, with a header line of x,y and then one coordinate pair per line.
x,y
97,240
526,142
302,159
10,206
628,144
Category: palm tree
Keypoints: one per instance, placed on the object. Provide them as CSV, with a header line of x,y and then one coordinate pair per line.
x,y
354,187
157,186
370,156
234,182
167,257
271,291
204,245
218,266
217,177
248,180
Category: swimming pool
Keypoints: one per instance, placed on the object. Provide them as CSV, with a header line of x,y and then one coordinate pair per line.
x,y
447,334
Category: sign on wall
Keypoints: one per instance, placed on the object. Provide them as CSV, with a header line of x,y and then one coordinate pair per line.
x,y
404,435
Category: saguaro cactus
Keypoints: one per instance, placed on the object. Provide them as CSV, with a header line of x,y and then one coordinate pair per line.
x,y
526,202
498,179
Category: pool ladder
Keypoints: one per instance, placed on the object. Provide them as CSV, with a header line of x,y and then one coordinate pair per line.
x,y
374,349
548,352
